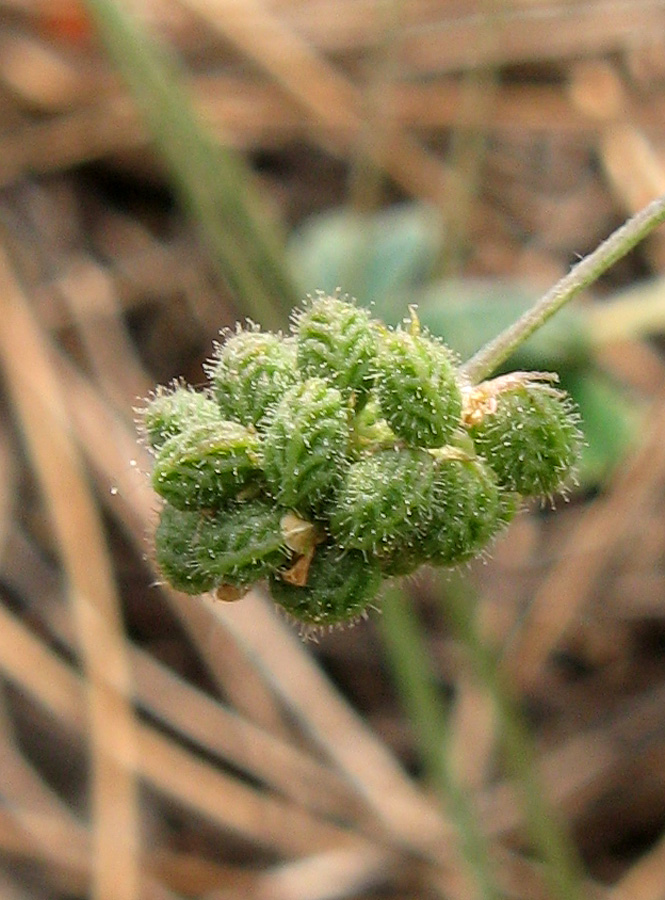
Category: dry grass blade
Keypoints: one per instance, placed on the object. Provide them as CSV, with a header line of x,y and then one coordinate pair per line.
x,y
321,712
266,820
526,31
451,37
335,104
644,880
92,591
293,773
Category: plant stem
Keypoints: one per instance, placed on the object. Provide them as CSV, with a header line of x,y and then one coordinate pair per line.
x,y
413,676
588,270
213,182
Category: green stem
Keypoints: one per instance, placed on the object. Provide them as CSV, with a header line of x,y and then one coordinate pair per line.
x,y
408,656
562,868
588,270
214,183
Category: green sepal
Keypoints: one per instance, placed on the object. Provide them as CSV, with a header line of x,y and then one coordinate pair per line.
x,y
207,465
306,445
340,586
369,429
250,372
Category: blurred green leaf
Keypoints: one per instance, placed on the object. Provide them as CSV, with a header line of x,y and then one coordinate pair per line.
x,y
371,257
467,313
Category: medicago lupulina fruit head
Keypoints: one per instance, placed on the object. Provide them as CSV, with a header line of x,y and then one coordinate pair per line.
x,y
345,453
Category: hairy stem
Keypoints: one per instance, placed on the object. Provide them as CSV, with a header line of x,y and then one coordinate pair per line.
x,y
588,270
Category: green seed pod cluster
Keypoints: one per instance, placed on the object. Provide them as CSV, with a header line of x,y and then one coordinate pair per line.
x,y
249,373
528,428
417,386
337,341
171,410
344,454
306,445
340,586
207,464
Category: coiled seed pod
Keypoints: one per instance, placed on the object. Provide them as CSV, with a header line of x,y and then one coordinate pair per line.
x,y
336,340
176,550
242,543
250,372
467,510
528,431
206,465
340,587
416,383
370,431
306,445
384,502
172,410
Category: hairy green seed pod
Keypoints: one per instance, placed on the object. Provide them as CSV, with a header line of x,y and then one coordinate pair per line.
x,y
207,465
527,430
250,372
172,410
384,502
242,543
336,340
369,429
416,383
467,509
404,561
197,550
340,587
306,445
176,550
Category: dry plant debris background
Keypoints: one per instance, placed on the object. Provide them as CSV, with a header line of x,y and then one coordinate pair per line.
x,y
158,746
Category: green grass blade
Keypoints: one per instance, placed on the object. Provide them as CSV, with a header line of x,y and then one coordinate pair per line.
x,y
562,868
408,657
213,182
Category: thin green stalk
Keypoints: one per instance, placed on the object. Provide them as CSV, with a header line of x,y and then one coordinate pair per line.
x,y
408,657
588,270
562,868
213,182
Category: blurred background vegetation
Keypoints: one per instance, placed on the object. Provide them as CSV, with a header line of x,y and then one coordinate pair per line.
x,y
168,167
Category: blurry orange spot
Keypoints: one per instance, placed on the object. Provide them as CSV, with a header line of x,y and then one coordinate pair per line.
x,y
66,21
